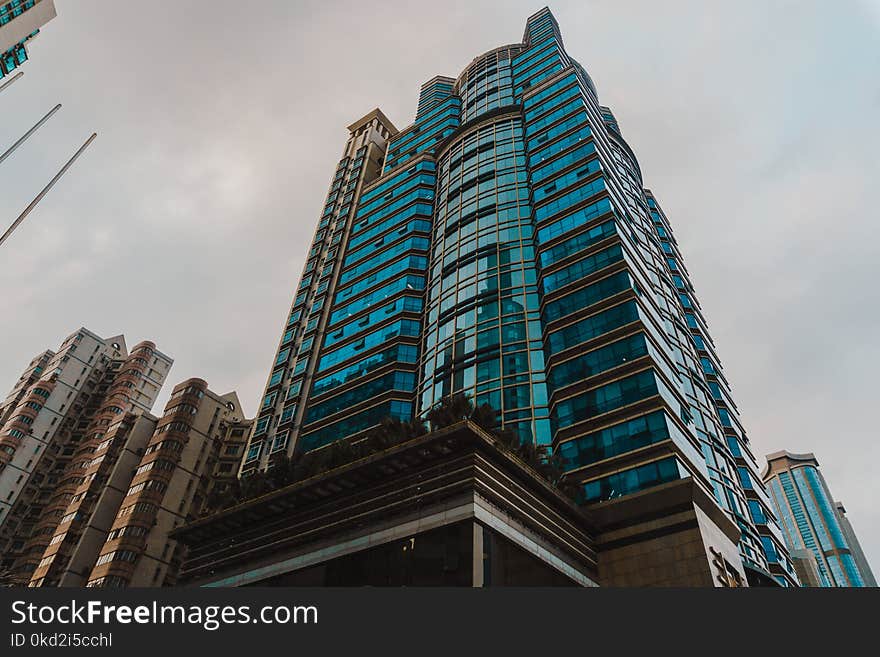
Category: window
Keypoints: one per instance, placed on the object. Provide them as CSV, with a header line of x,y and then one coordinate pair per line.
x,y
254,451
288,413
282,356
605,398
631,481
280,441
614,440
294,389
262,425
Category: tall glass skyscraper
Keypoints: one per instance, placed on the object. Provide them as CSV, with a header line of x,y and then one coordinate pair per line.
x,y
504,246
813,522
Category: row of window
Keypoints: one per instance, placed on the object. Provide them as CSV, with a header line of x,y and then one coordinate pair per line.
x,y
471,343
357,422
489,85
587,296
401,353
603,399
430,96
529,57
150,485
572,106
579,154
351,272
160,465
537,141
551,187
502,229
539,105
401,192
535,75
614,440
397,380
490,282
139,507
632,481
425,125
582,268
117,555
470,318
403,223
391,183
574,220
406,327
346,331
417,263
128,531
575,131
408,282
577,243
599,360
462,156
109,582
573,197
538,98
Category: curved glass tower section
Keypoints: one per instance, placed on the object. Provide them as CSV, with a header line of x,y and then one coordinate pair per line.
x,y
509,250
483,331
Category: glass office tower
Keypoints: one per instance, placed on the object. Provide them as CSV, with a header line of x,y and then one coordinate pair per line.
x,y
508,249
813,522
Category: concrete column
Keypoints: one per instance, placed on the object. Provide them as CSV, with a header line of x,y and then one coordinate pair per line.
x,y
478,556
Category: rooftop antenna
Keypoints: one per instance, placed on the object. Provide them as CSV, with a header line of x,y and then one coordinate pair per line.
x,y
27,135
46,189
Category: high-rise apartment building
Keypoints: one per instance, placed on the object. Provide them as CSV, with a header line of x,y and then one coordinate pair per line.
x,y
43,422
22,387
195,447
504,245
20,21
97,484
91,482
813,522
97,467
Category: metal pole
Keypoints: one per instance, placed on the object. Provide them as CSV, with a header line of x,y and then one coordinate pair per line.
x,y
13,79
46,189
29,133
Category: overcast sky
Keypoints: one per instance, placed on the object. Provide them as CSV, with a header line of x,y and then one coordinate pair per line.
x,y
220,125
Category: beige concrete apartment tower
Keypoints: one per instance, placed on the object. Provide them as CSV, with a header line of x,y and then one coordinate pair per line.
x,y
42,421
195,449
76,510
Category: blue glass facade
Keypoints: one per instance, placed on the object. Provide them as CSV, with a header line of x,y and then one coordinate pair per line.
x,y
351,315
510,251
483,334
810,519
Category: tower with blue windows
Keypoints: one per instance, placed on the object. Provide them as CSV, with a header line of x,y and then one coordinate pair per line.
x,y
506,248
812,522
20,21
